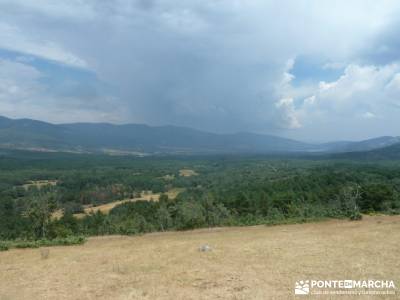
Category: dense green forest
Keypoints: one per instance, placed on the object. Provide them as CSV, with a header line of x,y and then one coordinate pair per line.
x,y
225,190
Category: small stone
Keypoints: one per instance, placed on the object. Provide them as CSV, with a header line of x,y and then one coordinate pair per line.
x,y
205,248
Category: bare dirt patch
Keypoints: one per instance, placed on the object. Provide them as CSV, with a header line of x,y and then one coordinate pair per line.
x,y
187,173
39,183
245,263
146,196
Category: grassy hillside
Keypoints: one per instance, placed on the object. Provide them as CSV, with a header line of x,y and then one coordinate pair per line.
x,y
244,263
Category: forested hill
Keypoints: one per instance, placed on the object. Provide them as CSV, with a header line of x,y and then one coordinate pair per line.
x,y
139,139
95,137
387,153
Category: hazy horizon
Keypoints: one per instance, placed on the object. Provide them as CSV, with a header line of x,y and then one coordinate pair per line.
x,y
208,131
306,70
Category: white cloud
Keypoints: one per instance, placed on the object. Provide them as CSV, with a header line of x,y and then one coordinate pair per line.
x,y
361,93
12,38
393,87
17,83
359,86
23,94
288,113
368,115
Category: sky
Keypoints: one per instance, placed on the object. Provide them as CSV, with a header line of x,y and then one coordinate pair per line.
x,y
307,70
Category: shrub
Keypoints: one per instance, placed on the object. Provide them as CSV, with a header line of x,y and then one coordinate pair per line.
x,y
25,244
71,240
4,246
355,216
58,230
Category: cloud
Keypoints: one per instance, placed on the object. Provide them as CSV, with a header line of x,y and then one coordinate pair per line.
x,y
227,65
393,87
71,9
23,93
17,83
363,92
334,65
384,47
288,113
359,87
368,115
12,38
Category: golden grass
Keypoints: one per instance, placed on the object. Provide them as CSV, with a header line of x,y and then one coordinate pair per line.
x,y
106,208
39,183
187,173
245,263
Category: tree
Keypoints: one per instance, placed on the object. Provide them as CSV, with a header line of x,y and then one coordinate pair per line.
x,y
189,215
164,217
215,213
11,222
40,208
350,196
163,198
376,196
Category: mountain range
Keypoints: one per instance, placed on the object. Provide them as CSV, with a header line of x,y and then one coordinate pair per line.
x,y
391,152
141,139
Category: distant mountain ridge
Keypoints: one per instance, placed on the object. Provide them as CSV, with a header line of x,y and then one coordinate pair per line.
x,y
142,139
366,145
391,152
134,138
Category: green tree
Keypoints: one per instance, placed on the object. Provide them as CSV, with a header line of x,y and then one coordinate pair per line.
x,y
164,217
350,197
376,196
189,215
163,198
215,213
40,208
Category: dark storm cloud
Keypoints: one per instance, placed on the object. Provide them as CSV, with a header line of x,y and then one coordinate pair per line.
x,y
225,65
385,47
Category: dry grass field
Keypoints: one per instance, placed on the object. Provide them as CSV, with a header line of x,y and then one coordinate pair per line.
x,y
187,173
245,263
39,183
106,208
